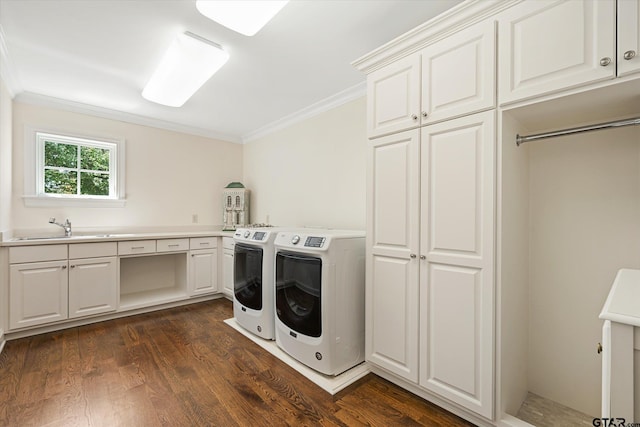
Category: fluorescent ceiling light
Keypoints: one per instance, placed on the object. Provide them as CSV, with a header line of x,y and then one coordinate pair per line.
x,y
246,17
188,63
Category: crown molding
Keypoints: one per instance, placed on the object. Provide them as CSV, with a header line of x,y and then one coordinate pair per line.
x,y
312,110
7,68
106,113
447,23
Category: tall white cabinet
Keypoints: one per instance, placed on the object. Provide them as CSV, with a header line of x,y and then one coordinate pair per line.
x,y
447,286
392,269
457,182
430,219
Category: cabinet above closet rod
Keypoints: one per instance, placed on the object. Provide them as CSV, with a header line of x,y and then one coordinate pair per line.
x,y
614,124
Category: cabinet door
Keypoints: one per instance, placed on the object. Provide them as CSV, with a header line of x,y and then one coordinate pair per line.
x,y
37,293
203,272
93,286
550,45
458,74
457,260
628,36
392,243
393,97
227,272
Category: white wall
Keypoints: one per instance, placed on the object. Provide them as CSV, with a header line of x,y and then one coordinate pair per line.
x,y
6,109
584,226
312,173
169,175
5,157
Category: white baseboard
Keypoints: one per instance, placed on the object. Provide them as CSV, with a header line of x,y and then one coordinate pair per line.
x,y
2,340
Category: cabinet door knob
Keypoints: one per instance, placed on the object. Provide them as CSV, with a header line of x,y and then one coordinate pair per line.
x,y
414,117
412,255
64,267
73,266
630,54
599,348
425,114
423,257
605,61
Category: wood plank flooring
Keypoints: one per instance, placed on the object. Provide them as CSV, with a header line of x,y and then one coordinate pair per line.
x,y
183,367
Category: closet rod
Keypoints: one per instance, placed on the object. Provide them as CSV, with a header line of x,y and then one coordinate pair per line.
x,y
607,125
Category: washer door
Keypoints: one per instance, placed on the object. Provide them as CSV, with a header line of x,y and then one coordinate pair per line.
x,y
298,292
247,273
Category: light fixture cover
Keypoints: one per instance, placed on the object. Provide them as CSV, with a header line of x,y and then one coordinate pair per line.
x,y
246,17
188,63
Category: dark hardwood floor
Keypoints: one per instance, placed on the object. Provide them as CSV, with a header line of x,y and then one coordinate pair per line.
x,y
182,367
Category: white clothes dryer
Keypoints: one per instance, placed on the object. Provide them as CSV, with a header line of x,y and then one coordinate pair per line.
x,y
253,286
319,297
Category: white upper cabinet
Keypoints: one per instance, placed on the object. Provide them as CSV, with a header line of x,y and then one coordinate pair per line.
x,y
393,97
458,74
628,36
452,77
549,45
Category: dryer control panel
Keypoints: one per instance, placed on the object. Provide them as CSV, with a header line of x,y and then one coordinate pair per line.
x,y
314,242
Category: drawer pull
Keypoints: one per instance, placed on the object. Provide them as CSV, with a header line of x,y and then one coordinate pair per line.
x,y
174,246
204,243
137,247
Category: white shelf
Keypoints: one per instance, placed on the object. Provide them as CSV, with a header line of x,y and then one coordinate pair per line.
x,y
151,297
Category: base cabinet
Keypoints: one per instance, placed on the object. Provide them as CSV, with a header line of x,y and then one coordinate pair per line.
x,y
38,293
203,271
228,265
92,286
430,300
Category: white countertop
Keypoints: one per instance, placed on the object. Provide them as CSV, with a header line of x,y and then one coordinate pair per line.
x,y
107,236
623,302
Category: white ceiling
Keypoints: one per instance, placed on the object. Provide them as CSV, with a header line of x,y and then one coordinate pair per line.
x,y
99,54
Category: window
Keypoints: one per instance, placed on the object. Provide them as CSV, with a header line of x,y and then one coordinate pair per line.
x,y
72,170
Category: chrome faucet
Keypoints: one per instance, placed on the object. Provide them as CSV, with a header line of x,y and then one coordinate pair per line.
x,y
66,226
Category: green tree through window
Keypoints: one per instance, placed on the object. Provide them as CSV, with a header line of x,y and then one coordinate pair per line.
x,y
76,167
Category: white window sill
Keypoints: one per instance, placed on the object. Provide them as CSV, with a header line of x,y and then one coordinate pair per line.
x,y
37,201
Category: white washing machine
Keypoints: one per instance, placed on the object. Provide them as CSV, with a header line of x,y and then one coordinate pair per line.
x,y
319,278
253,286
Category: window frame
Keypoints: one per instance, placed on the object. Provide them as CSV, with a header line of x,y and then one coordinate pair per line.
x,y
34,167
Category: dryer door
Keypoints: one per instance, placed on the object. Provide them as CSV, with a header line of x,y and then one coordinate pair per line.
x,y
247,273
298,292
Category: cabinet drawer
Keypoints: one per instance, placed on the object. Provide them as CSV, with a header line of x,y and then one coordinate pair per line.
x,y
136,247
203,242
168,245
93,250
22,254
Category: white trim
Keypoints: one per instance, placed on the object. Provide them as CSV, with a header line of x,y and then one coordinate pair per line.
x,y
443,25
326,104
106,113
340,98
41,201
7,70
2,340
31,198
